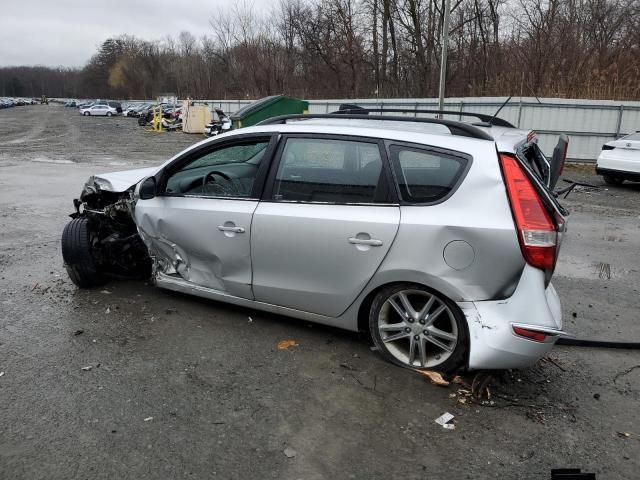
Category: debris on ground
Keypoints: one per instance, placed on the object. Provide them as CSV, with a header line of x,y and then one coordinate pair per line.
x,y
1,374
434,377
290,452
106,292
87,368
250,320
78,332
285,344
108,310
444,420
148,419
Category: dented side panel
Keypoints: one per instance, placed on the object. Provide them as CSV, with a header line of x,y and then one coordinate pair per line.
x,y
206,241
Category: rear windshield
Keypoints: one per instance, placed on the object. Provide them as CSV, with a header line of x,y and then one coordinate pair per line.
x,y
633,136
425,176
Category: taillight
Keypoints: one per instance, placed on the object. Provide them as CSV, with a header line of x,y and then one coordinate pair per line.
x,y
607,147
536,229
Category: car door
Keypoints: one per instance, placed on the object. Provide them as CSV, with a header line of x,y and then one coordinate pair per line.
x,y
327,219
199,224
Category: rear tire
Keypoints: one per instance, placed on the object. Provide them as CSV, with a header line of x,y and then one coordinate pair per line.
x,y
414,340
77,254
611,180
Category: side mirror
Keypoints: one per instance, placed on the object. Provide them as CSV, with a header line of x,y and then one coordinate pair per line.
x,y
147,188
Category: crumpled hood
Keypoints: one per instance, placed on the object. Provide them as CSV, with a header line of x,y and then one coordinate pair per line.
x,y
121,181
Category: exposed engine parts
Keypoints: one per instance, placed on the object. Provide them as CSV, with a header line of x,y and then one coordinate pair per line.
x,y
116,247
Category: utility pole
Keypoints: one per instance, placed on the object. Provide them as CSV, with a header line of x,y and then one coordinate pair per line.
x,y
443,58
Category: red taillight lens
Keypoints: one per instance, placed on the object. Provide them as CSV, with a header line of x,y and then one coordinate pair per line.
x,y
536,230
530,334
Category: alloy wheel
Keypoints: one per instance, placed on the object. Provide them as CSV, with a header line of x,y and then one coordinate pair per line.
x,y
417,328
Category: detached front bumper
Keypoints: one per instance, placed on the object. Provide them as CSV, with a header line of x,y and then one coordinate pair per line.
x,y
493,343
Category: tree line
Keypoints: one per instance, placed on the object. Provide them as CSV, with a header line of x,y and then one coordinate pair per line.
x,y
368,48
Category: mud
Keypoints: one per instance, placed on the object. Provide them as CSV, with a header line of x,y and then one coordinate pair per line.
x,y
186,388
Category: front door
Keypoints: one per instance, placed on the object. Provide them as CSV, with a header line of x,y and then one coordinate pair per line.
x,y
325,224
199,225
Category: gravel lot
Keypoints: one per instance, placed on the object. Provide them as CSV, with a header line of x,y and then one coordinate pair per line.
x,y
185,388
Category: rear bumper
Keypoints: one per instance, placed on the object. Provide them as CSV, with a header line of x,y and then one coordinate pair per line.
x,y
493,344
625,174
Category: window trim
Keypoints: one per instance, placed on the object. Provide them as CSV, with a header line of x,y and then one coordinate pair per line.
x,y
391,195
428,149
207,148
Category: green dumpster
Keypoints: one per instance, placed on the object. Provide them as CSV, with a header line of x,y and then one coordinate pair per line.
x,y
268,107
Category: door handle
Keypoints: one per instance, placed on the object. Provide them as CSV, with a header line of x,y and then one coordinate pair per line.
x,y
222,228
370,241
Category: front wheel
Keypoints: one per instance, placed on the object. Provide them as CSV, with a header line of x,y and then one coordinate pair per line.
x,y
86,114
611,180
414,327
77,252
109,114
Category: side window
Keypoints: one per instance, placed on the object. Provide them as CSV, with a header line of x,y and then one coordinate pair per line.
x,y
331,171
425,176
225,172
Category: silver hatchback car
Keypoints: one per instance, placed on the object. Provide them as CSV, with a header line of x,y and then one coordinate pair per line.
x,y
439,237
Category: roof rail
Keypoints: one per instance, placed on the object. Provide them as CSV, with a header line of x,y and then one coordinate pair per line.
x,y
487,120
456,128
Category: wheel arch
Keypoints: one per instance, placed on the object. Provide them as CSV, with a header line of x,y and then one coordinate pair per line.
x,y
387,279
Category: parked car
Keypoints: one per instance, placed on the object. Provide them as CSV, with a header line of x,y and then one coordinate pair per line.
x,y
620,160
99,110
438,237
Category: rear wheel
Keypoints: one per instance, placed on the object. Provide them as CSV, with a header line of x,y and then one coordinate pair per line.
x,y
414,327
611,180
77,252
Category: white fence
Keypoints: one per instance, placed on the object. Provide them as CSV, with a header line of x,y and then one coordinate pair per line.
x,y
589,123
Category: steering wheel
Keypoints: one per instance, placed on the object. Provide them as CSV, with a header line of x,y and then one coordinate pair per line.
x,y
219,187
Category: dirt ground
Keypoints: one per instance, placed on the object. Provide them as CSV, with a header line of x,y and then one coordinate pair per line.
x,y
186,388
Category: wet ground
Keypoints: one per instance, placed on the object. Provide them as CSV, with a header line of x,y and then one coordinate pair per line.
x,y
130,381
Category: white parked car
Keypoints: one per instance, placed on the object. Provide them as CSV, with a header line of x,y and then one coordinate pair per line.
x,y
620,160
99,110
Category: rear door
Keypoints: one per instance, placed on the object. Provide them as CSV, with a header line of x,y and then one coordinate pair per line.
x,y
326,222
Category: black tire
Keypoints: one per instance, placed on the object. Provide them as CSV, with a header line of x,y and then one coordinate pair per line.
x,y
455,360
86,114
77,254
610,180
109,114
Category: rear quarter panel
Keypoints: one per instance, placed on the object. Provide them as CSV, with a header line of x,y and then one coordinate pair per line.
x,y
478,214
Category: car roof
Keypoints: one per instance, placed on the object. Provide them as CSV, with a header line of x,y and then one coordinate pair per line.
x,y
506,139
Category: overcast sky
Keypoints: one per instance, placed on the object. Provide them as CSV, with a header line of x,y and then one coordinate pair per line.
x,y
68,32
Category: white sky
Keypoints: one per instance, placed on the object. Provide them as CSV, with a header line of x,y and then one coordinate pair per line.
x,y
68,32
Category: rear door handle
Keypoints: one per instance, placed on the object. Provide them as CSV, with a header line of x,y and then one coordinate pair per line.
x,y
222,228
373,242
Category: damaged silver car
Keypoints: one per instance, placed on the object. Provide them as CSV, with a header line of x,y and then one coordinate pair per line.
x,y
439,237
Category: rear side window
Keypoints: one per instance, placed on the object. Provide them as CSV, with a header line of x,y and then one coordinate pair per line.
x,y
425,176
330,171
